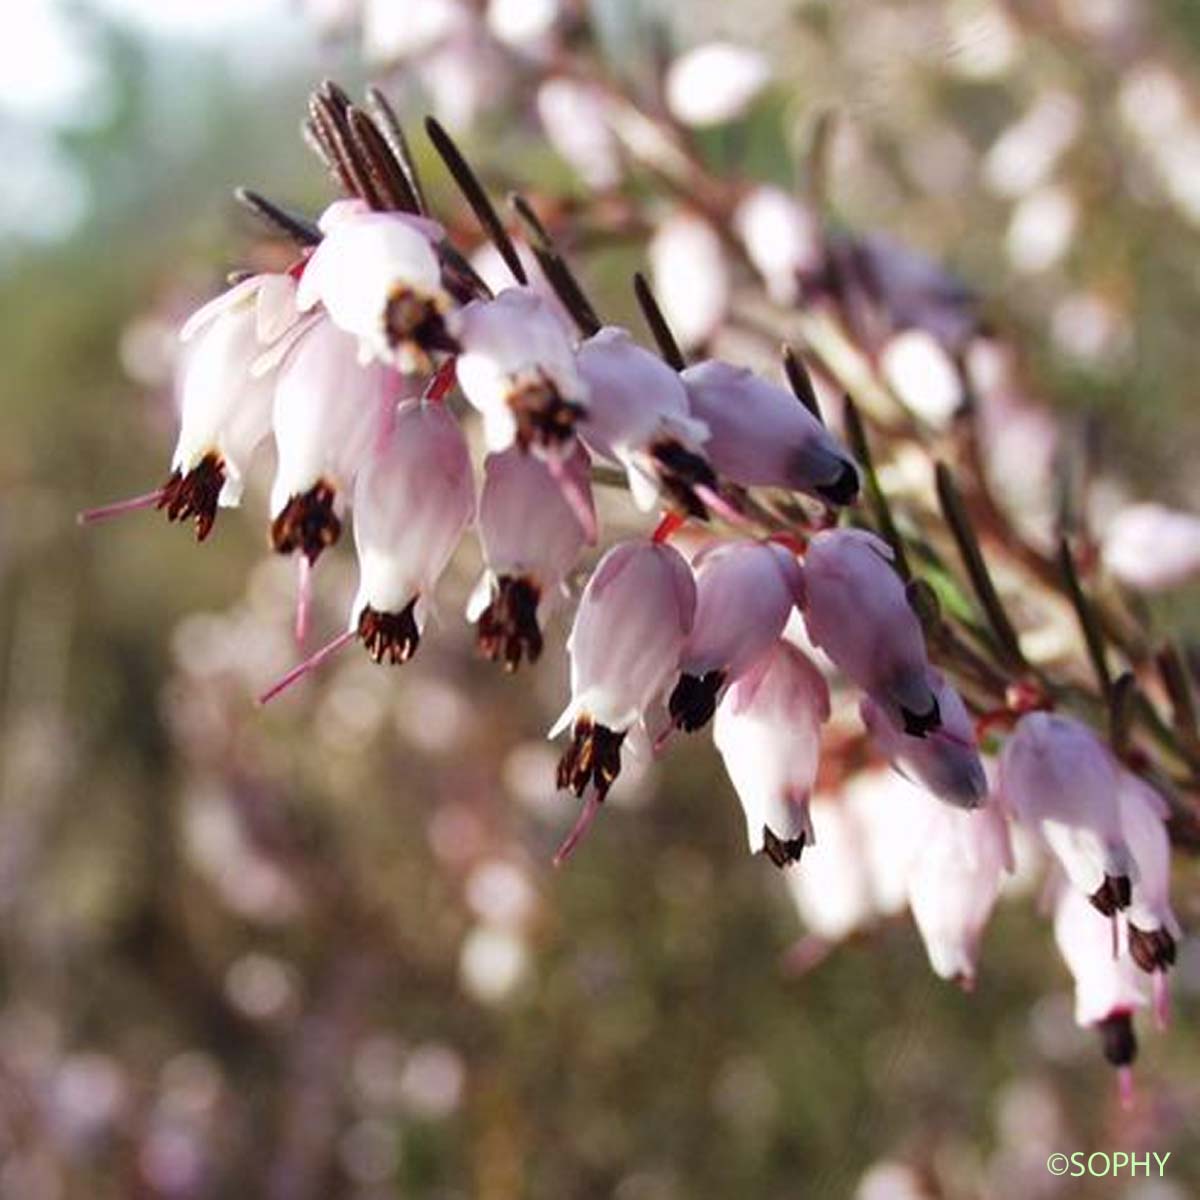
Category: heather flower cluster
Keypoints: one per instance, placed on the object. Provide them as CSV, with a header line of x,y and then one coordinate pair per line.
x,y
769,566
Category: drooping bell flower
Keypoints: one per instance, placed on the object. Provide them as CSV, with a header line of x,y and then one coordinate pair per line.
x,y
1152,548
413,500
745,592
630,627
330,412
531,538
1109,988
638,417
857,611
762,436
953,884
1061,781
1153,927
517,367
379,278
225,402
768,731
945,761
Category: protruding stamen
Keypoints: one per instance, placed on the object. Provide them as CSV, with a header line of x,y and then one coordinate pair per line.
x,y
195,494
308,665
715,502
390,635
579,830
307,523
508,630
594,756
1125,1089
118,508
1161,992
304,589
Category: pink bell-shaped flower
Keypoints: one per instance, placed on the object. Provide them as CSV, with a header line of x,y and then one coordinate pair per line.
x,y
857,611
1153,927
1058,779
953,884
413,499
745,592
1109,988
638,418
768,730
762,436
631,624
329,413
531,539
946,761
517,367
379,278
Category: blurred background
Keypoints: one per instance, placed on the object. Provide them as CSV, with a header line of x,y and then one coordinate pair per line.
x,y
318,950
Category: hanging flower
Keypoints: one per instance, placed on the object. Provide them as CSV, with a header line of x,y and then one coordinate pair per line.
x,y
531,539
379,278
762,436
518,369
745,592
1058,778
1153,927
638,417
329,413
857,611
945,761
414,498
768,730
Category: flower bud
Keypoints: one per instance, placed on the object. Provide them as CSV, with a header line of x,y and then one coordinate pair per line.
x,y
378,276
768,730
745,592
413,499
857,611
714,83
518,369
691,276
329,412
638,417
945,761
1059,779
953,884
531,539
1152,548
762,436
632,621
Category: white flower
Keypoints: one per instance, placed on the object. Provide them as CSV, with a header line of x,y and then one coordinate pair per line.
x,y
329,412
413,499
762,436
690,276
857,611
745,592
531,538
394,30
517,367
1152,548
632,621
575,118
782,239
638,417
918,369
953,884
715,82
768,730
379,278
1059,779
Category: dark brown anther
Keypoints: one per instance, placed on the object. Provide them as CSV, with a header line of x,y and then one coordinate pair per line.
x,y
694,700
594,756
681,471
1152,950
195,494
507,630
543,417
412,319
844,489
781,852
1112,895
920,724
307,523
391,636
1118,1039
